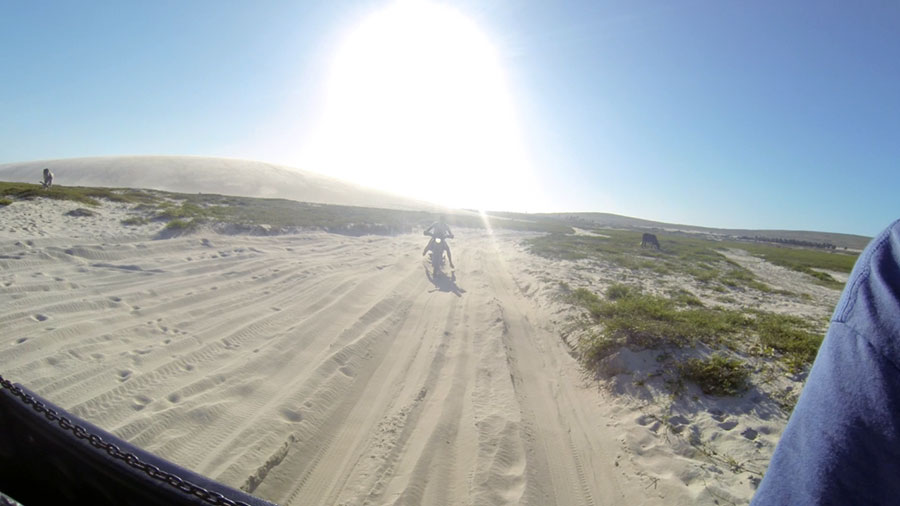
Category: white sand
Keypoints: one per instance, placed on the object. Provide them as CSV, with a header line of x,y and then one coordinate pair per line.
x,y
322,369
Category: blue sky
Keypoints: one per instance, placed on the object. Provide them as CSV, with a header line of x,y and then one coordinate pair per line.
x,y
778,115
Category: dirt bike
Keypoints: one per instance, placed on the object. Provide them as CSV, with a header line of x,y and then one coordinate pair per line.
x,y
437,249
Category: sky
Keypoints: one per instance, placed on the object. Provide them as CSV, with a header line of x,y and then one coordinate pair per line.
x,y
759,115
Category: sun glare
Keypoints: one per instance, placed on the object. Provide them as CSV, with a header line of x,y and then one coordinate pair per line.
x,y
417,104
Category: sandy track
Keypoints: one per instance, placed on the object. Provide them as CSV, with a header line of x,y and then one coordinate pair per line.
x,y
313,369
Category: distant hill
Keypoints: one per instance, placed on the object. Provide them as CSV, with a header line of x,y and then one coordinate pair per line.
x,y
195,174
226,176
601,220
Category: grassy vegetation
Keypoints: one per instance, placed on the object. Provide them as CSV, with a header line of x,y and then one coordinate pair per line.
x,y
182,226
625,317
639,321
83,195
631,319
135,221
803,260
5,201
699,258
716,374
790,336
185,212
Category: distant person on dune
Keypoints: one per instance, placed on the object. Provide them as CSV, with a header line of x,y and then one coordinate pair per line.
x,y
47,180
842,442
439,230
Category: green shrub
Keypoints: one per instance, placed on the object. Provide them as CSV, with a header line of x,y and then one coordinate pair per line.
x,y
789,335
135,220
81,194
717,374
584,298
628,318
620,291
685,298
179,225
648,320
824,277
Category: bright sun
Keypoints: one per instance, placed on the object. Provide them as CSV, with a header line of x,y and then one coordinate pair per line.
x,y
417,104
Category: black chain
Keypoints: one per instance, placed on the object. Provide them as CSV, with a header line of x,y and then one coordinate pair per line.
x,y
132,460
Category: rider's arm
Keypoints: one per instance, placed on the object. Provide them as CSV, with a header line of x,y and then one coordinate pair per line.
x,y
842,443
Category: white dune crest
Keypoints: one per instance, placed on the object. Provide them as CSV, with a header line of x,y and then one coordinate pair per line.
x,y
197,174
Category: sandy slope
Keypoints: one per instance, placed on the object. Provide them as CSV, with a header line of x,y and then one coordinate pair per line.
x,y
193,174
312,368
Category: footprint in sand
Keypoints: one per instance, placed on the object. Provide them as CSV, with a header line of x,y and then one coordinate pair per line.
x,y
731,424
678,423
124,374
141,402
347,371
174,397
41,317
21,340
292,415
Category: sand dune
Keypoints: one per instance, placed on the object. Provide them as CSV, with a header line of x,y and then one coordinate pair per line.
x,y
193,174
324,369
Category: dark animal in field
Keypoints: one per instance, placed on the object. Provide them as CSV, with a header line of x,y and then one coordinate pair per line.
x,y
649,240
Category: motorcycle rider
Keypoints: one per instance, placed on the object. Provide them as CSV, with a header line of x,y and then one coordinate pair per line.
x,y
439,230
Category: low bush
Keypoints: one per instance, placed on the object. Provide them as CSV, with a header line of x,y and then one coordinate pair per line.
x,y
629,318
716,374
179,225
790,336
135,220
